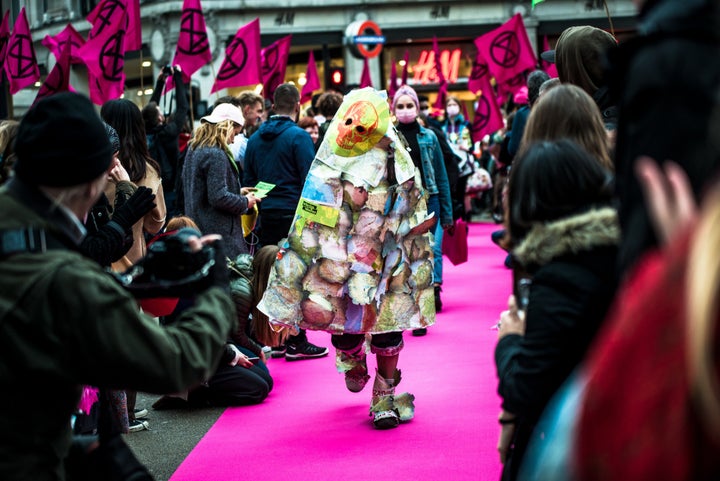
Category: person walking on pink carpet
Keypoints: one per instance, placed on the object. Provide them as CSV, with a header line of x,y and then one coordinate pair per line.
x,y
358,260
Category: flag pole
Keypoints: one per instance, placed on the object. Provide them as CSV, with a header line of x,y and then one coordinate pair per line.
x,y
607,12
142,80
192,110
212,69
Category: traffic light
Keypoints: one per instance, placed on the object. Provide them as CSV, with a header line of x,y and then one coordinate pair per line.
x,y
336,78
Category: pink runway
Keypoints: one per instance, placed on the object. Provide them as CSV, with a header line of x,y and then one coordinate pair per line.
x,y
312,428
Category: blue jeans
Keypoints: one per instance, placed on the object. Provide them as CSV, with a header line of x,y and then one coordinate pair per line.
x,y
433,205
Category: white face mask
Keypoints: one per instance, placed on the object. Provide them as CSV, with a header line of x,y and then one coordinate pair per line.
x,y
406,116
425,112
452,110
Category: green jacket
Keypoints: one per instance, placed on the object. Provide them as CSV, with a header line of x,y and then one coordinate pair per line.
x,y
65,322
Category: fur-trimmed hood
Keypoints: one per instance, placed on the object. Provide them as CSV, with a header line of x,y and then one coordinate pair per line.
x,y
569,235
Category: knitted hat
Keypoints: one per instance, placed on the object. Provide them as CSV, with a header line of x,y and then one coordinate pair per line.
x,y
406,90
61,142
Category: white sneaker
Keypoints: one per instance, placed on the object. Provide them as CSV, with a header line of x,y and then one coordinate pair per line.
x,y
138,425
140,413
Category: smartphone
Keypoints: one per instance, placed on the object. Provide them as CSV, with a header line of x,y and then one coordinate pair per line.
x,y
254,360
521,290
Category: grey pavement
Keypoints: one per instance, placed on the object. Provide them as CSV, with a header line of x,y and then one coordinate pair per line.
x,y
172,435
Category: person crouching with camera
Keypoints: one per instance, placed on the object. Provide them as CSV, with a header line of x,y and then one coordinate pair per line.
x,y
64,321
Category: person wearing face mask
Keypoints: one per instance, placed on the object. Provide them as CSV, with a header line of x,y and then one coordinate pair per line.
x,y
427,156
457,131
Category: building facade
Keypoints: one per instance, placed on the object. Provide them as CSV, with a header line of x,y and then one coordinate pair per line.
x,y
329,28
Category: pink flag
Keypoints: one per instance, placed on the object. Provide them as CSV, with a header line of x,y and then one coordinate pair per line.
x,y
104,55
488,117
548,67
507,49
442,91
21,64
406,67
392,86
511,86
4,36
273,59
365,79
59,78
479,71
57,43
242,59
312,80
107,12
193,48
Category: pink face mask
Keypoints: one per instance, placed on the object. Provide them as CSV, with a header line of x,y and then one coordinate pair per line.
x,y
406,116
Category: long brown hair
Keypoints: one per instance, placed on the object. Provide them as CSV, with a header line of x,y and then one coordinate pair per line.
x,y
125,117
265,332
568,112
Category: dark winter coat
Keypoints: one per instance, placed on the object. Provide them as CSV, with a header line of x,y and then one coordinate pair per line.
x,y
573,283
280,153
65,322
163,138
212,196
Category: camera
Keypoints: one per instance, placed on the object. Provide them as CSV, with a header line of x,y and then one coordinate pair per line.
x,y
170,268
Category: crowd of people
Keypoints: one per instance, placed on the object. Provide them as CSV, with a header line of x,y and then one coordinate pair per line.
x,y
347,202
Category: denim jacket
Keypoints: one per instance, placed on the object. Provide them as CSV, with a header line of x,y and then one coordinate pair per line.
x,y
436,180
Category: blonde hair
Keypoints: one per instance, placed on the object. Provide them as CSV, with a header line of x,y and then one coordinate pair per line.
x,y
212,135
703,290
568,112
265,332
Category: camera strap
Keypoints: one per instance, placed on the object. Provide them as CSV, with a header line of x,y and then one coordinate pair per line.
x,y
28,239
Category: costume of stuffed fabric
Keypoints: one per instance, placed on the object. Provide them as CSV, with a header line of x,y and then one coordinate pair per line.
x,y
358,257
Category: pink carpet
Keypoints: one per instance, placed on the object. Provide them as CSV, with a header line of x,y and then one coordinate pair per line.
x,y
312,428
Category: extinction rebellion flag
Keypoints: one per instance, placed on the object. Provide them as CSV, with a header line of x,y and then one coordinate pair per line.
x,y
104,55
20,62
193,47
488,117
507,50
59,78
273,59
57,43
242,59
312,80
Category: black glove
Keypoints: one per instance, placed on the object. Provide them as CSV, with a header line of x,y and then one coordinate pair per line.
x,y
135,208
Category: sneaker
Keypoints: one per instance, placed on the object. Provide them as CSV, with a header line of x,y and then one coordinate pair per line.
x,y
419,332
304,350
277,352
140,413
438,301
138,425
386,419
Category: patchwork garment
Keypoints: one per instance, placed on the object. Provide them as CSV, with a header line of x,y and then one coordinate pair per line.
x,y
358,257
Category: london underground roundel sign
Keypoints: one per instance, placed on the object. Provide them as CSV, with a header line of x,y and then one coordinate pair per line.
x,y
365,38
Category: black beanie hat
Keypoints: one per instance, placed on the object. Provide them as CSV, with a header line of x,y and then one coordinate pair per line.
x,y
61,142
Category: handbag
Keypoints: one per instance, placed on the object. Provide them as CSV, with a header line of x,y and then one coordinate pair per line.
x,y
248,220
454,245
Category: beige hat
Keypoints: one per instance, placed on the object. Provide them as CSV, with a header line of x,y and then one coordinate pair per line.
x,y
225,112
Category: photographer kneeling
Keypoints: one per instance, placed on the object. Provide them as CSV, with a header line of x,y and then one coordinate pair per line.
x,y
64,321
